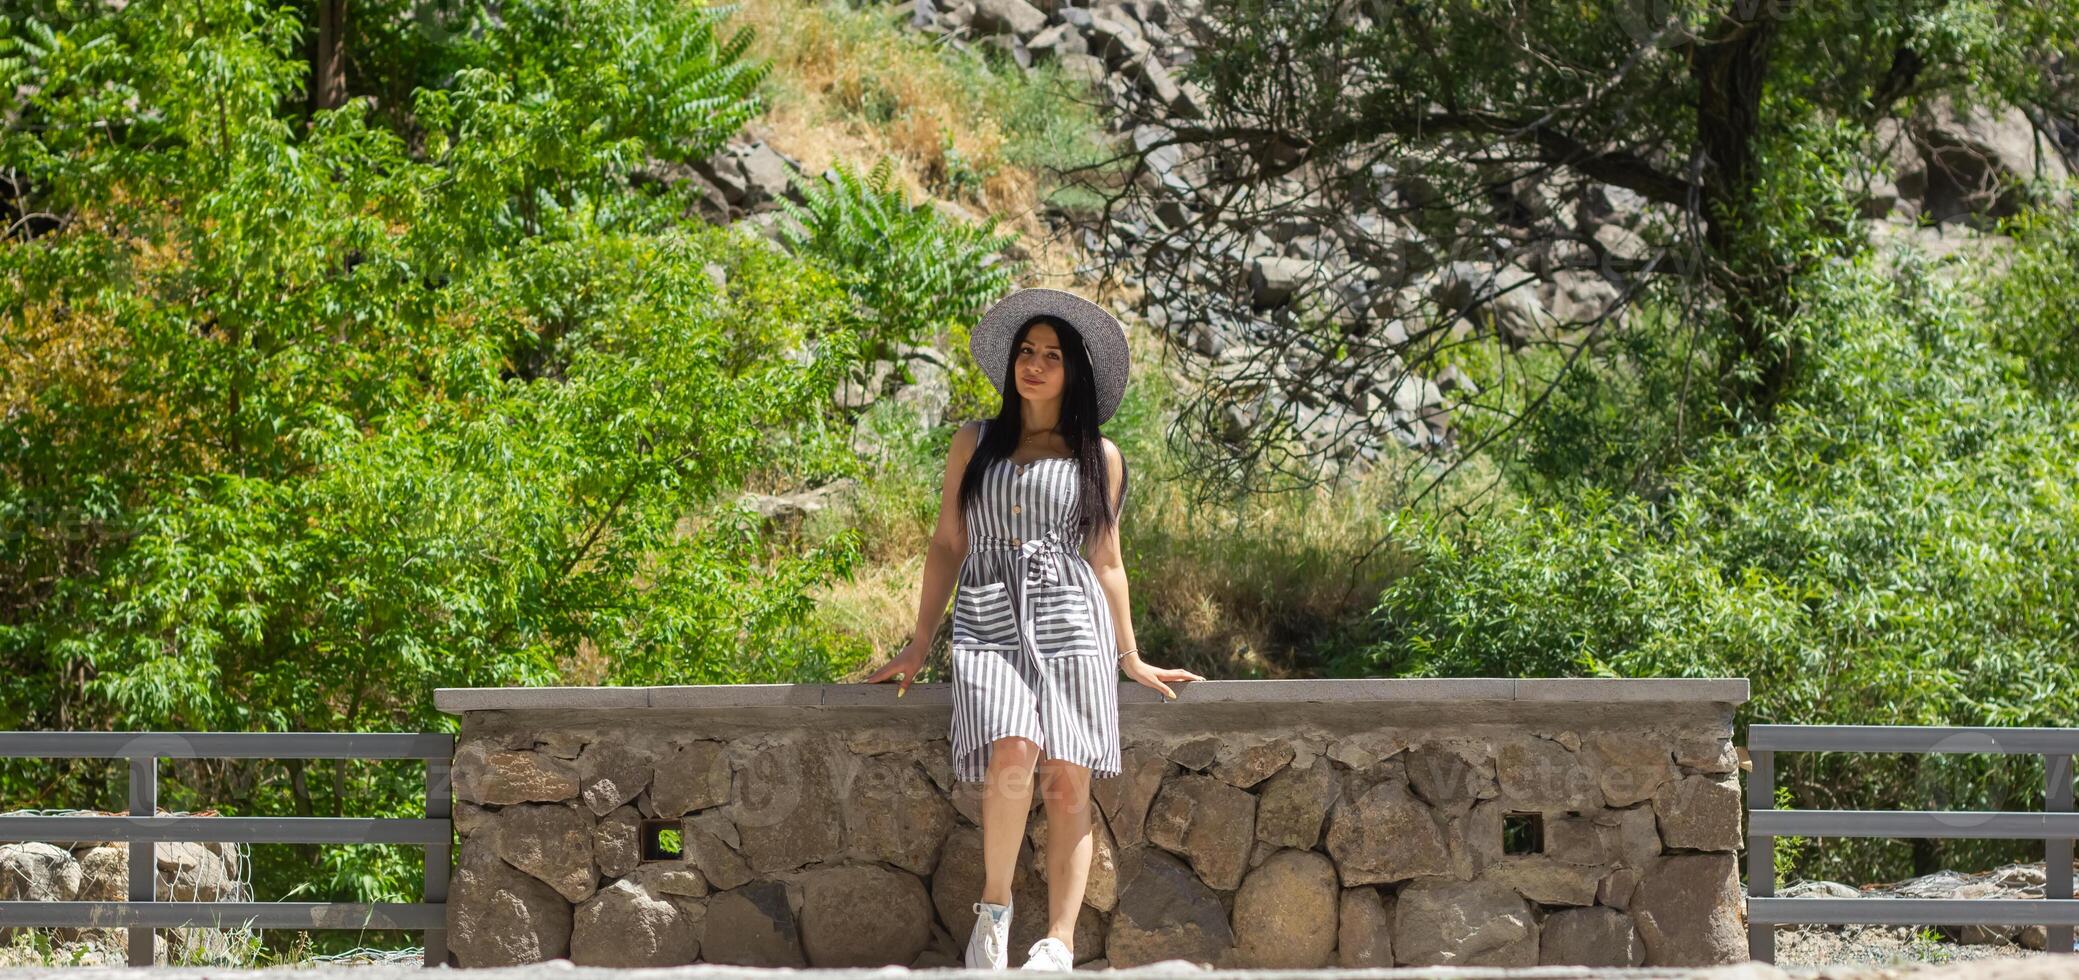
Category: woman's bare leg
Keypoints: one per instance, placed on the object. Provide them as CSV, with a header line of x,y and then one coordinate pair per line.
x,y
1006,799
1065,791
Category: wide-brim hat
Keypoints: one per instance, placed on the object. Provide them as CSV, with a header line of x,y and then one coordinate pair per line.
x,y
1103,338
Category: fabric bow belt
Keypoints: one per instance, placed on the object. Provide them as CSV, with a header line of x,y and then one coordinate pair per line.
x,y
1048,545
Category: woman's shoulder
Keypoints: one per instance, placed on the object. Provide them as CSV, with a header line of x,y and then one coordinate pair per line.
x,y
966,440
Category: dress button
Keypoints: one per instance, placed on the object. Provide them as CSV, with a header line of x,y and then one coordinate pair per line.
x,y
1017,508
1015,543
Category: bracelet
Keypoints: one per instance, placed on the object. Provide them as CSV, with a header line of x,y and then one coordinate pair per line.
x,y
1129,653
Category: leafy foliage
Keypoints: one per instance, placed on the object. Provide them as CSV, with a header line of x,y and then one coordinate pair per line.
x,y
913,271
306,417
1902,547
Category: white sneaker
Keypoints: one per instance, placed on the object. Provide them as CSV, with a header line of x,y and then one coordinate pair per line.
x,y
1049,954
988,947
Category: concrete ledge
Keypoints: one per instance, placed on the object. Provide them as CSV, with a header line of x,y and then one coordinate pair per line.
x,y
1721,690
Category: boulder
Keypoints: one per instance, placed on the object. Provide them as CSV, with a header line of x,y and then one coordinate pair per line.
x,y
632,923
1687,907
1008,17
1443,776
1285,912
708,849
1544,775
692,777
1630,768
1546,881
785,807
500,777
552,842
894,814
1273,280
1246,766
617,842
498,915
31,871
1165,912
1292,805
752,925
1364,929
863,915
1979,157
1386,835
1589,937
1700,812
1209,822
611,772
1442,922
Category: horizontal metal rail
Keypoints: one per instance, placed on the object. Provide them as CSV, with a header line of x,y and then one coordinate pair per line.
x,y
225,915
2057,827
235,830
226,745
1914,911
1912,739
1961,824
141,913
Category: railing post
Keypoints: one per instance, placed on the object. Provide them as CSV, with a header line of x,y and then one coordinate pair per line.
x,y
144,864
2057,852
440,806
1761,853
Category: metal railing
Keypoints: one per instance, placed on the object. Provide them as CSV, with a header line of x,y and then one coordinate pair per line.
x,y
2056,827
145,827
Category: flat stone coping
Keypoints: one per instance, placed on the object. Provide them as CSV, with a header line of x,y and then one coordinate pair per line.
x,y
1722,690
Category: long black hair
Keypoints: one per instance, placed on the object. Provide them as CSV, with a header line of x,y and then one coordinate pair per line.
x,y
1078,426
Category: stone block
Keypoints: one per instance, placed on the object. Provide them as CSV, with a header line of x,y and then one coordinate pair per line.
x,y
1285,911
1699,812
1441,922
498,915
1207,821
1165,912
1589,937
752,925
863,916
1687,908
1386,835
1292,805
1364,929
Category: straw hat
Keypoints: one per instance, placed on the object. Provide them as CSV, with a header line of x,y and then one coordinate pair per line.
x,y
1103,337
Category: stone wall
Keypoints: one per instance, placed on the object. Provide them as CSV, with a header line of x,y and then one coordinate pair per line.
x,y
99,871
1257,823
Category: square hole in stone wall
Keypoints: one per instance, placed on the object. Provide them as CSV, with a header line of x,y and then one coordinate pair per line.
x,y
1523,833
663,840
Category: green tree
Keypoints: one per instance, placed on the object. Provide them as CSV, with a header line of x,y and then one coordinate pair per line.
x,y
1427,134
303,415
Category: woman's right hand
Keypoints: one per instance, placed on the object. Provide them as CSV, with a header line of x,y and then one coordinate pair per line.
x,y
903,668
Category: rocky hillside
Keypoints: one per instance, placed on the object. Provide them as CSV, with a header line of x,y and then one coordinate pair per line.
x,y
1934,181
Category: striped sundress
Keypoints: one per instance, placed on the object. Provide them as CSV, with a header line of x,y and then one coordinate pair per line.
x,y
1034,653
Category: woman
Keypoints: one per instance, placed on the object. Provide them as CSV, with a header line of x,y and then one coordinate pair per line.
x,y
1041,619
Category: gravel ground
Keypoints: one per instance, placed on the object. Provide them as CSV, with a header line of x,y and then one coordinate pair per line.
x,y
1882,945
1817,952
2027,966
2032,967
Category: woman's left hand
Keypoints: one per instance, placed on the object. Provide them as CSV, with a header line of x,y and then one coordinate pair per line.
x,y
1155,677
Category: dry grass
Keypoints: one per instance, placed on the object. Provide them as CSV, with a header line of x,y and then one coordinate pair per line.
x,y
1243,590
853,85
1262,587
